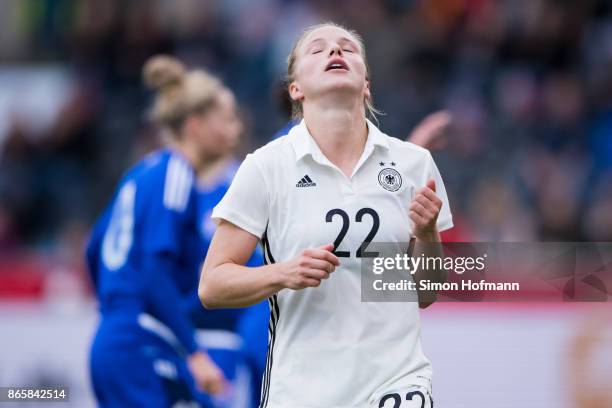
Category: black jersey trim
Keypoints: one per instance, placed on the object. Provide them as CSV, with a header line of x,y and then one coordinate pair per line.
x,y
274,315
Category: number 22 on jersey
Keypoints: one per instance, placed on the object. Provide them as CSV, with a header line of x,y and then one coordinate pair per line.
x,y
361,252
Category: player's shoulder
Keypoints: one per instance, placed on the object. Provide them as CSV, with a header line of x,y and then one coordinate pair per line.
x,y
406,147
277,146
274,155
152,165
409,151
167,174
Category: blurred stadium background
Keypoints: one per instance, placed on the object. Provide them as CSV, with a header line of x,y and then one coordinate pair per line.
x,y
528,157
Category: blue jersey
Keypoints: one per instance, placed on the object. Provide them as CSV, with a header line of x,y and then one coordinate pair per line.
x,y
209,196
285,129
145,249
236,359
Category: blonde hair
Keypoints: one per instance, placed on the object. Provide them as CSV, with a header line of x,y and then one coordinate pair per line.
x,y
180,93
296,106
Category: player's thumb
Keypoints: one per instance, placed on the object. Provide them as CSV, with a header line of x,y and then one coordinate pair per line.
x,y
327,247
431,184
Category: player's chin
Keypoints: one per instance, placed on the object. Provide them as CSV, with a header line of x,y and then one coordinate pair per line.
x,y
341,85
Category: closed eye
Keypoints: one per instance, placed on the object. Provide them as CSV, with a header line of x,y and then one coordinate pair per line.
x,y
317,51
347,50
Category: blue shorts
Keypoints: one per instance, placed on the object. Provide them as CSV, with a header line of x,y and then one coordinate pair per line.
x,y
225,349
253,328
132,368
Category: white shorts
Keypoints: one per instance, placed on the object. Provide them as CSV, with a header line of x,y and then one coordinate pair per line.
x,y
411,397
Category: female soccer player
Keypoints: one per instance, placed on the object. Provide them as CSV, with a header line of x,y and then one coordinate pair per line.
x,y
217,331
145,250
334,178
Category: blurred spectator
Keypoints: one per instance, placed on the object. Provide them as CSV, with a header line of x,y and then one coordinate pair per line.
x,y
527,82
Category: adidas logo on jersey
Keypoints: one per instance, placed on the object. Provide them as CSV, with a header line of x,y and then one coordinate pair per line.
x,y
306,182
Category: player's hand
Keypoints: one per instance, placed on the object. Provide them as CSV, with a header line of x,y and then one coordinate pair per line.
x,y
431,132
310,267
424,211
208,377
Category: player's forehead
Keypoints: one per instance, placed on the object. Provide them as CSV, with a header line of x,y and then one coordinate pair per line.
x,y
328,33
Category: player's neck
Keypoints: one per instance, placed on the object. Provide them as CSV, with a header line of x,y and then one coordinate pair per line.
x,y
211,169
189,153
340,133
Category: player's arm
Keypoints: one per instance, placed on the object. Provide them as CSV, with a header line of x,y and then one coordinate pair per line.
x,y
424,211
431,132
94,246
429,248
163,299
164,302
191,302
225,281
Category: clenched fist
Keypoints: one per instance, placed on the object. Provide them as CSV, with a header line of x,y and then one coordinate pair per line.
x,y
424,210
207,375
310,267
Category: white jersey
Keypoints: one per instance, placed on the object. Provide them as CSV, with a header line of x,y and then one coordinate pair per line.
x,y
326,347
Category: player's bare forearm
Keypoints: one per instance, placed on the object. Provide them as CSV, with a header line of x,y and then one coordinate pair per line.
x,y
230,285
430,133
226,283
432,247
424,210
429,248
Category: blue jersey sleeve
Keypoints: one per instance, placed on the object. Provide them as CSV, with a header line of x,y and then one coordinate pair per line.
x,y
163,299
94,246
170,210
167,215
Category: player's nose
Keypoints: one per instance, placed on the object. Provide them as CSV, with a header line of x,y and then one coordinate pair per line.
x,y
335,49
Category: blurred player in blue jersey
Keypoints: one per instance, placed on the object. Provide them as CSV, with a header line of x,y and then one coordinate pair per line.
x,y
144,252
218,330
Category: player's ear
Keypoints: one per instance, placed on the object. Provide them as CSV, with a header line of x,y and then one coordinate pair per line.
x,y
366,91
295,92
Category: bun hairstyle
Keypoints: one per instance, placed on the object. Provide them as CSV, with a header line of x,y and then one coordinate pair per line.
x,y
180,92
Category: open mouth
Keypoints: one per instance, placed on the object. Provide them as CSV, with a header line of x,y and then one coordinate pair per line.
x,y
336,64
